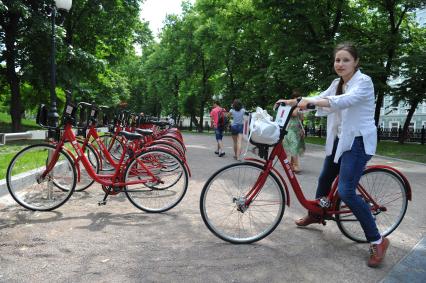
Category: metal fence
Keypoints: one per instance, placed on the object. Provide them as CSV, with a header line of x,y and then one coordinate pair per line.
x,y
417,136
393,134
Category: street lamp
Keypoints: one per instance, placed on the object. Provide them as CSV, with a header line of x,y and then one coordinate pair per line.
x,y
53,112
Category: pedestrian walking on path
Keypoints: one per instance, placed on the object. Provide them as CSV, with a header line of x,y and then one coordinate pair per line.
x,y
237,113
294,141
217,118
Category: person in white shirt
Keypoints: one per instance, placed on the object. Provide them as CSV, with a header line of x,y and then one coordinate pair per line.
x,y
351,141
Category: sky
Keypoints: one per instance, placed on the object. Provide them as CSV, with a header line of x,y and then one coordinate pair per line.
x,y
155,11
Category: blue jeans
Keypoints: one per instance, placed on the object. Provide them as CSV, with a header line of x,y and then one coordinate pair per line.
x,y
350,168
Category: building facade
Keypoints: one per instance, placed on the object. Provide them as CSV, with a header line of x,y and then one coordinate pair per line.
x,y
392,117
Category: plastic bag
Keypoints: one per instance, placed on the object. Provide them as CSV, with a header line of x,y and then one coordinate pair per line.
x,y
262,129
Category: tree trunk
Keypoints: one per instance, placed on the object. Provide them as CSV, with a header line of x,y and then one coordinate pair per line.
x,y
11,30
231,83
190,124
404,134
176,94
379,103
195,121
203,96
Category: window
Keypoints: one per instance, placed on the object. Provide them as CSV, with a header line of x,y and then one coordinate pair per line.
x,y
412,126
424,124
394,125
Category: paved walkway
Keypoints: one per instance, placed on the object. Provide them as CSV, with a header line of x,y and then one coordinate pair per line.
x,y
82,242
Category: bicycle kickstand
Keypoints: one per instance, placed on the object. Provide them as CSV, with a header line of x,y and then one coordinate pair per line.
x,y
103,201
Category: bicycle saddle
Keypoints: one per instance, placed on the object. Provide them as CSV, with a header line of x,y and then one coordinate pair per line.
x,y
144,132
130,136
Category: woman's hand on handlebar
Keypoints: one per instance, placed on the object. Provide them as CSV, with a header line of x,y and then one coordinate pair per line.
x,y
289,102
303,104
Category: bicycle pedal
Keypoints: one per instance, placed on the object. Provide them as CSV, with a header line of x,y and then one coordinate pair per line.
x,y
102,202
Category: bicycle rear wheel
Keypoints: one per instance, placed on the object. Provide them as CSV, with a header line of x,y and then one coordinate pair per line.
x,y
388,191
151,195
222,204
26,187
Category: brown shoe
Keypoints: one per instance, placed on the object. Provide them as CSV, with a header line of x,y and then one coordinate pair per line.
x,y
377,253
296,169
308,219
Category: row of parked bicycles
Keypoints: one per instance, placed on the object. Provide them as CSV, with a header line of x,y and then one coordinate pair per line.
x,y
145,159
142,158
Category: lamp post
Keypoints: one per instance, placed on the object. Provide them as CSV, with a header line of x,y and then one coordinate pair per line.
x,y
53,112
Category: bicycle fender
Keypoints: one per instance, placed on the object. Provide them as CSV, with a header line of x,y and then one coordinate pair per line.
x,y
280,177
396,171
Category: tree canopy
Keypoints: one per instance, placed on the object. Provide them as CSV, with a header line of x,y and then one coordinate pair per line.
x,y
254,50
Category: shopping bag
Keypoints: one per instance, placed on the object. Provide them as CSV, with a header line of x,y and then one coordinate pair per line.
x,y
262,129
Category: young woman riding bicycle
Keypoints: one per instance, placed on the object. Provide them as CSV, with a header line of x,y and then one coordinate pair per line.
x,y
351,142
244,202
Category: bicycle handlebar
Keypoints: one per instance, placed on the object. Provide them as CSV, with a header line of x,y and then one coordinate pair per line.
x,y
309,106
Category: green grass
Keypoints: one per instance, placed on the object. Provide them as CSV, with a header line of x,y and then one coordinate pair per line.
x,y
408,151
5,124
7,152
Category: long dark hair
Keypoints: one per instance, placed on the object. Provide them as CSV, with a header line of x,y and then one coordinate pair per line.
x,y
296,93
349,47
237,105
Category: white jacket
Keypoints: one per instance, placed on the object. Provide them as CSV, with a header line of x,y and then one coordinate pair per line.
x,y
357,111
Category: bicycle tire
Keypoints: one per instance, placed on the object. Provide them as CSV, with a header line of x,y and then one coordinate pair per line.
x,y
41,195
171,164
175,141
388,190
115,150
226,188
156,197
169,145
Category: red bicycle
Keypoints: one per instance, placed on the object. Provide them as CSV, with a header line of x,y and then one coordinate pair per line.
x,y
114,141
43,176
245,202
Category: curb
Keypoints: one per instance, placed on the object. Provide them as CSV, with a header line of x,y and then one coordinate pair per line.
x,y
411,268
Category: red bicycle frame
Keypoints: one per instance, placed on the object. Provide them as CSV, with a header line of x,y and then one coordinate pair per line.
x,y
311,205
107,179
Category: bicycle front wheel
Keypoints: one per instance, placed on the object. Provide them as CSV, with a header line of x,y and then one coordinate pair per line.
x,y
385,188
159,178
24,180
223,209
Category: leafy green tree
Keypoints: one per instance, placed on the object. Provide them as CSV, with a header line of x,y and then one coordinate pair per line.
x,y
11,25
384,30
412,88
